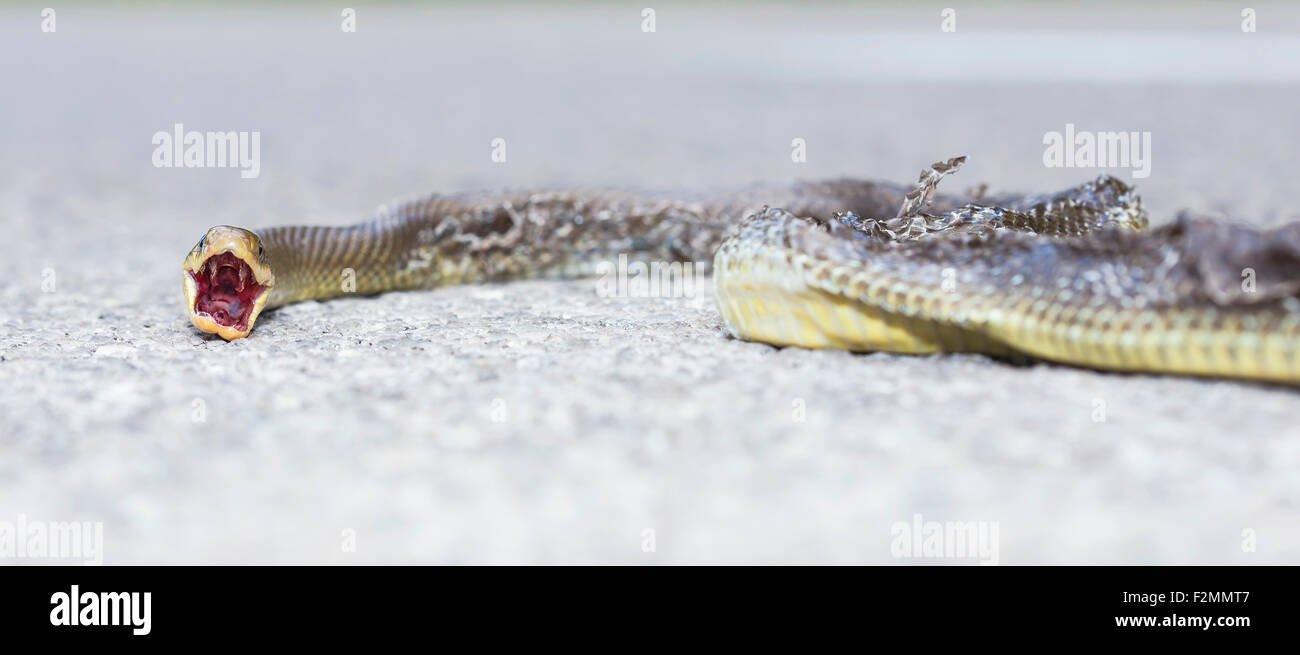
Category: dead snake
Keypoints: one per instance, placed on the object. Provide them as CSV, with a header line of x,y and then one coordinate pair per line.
x,y
1073,277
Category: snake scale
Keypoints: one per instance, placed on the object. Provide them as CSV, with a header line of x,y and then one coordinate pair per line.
x,y
1074,277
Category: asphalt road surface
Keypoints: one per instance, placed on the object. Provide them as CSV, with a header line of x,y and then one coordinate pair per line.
x,y
540,422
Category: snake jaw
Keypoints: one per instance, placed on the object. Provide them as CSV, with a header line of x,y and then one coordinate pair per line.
x,y
227,282
210,321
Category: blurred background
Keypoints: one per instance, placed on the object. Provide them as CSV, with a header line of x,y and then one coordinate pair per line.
x,y
537,422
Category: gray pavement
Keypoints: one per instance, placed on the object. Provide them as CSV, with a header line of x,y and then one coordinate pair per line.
x,y
538,422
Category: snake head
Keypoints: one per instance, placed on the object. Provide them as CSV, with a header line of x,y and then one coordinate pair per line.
x,y
227,279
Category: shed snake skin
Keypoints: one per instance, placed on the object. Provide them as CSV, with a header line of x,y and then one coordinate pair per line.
x,y
1074,277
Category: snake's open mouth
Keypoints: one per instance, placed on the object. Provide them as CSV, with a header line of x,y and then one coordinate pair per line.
x,y
227,291
228,280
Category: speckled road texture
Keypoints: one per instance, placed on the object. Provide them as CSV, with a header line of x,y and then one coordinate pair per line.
x,y
539,422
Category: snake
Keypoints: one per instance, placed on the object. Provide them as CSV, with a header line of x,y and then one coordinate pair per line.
x,y
1078,277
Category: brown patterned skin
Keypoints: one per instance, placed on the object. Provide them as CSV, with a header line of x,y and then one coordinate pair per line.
x,y
448,239
1072,277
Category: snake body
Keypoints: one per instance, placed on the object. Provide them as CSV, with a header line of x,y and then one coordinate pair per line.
x,y
1073,277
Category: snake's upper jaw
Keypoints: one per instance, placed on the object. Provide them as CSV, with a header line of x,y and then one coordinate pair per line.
x,y
227,282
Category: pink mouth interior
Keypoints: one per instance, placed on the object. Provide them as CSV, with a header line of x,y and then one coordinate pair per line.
x,y
227,290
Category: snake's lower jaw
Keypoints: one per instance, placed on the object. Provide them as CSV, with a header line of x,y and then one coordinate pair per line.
x,y
207,323
223,297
